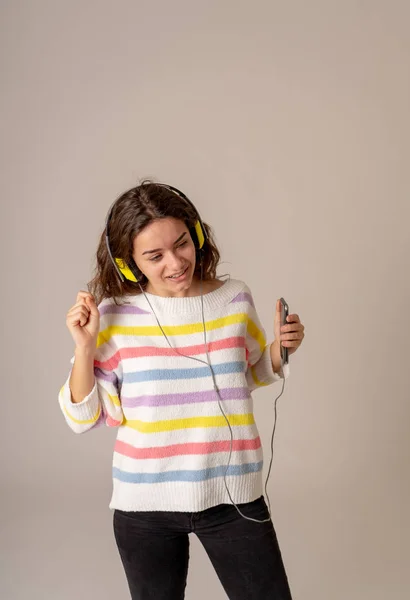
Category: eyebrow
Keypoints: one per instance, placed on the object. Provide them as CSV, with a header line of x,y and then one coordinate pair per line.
x,y
159,249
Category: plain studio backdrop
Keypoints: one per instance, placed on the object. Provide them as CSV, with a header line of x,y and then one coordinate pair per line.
x,y
287,124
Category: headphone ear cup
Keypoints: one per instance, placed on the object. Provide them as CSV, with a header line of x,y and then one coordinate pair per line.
x,y
198,235
135,270
130,271
194,237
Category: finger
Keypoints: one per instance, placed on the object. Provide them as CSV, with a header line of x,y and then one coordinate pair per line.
x,y
81,303
79,311
84,294
78,314
78,320
291,336
293,318
292,327
92,305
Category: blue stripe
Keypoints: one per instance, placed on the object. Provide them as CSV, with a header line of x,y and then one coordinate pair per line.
x,y
191,476
168,374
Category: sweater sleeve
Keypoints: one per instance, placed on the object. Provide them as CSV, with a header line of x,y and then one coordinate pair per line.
x,y
259,369
103,404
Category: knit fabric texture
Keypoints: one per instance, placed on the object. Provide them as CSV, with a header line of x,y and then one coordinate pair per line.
x,y
173,442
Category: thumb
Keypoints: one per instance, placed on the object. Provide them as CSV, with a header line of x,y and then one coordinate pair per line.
x,y
92,306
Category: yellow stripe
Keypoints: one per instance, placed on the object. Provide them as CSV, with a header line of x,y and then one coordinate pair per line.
x,y
257,334
115,400
153,330
173,424
87,421
255,378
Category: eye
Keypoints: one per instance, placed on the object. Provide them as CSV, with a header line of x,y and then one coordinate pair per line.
x,y
155,258
183,244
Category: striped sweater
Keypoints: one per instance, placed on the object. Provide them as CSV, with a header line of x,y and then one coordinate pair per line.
x,y
173,442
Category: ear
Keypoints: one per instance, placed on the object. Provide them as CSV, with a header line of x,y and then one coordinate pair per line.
x,y
139,275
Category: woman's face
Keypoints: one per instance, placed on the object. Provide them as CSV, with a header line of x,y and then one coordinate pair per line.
x,y
165,253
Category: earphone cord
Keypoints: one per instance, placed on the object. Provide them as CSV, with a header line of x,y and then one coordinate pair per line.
x,y
208,363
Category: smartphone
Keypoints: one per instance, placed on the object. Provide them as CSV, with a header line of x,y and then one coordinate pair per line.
x,y
283,315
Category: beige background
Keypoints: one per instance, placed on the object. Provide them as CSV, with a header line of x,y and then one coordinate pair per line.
x,y
287,123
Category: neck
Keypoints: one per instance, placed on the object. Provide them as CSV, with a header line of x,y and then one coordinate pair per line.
x,y
193,290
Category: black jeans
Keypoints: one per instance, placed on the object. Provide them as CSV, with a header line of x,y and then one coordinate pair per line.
x,y
154,549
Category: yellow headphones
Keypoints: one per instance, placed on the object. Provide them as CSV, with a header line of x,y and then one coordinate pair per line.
x,y
130,271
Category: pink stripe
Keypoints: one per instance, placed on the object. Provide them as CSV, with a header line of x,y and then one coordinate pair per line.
x,y
112,422
185,449
139,352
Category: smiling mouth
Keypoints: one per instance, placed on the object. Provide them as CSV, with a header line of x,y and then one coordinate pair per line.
x,y
177,275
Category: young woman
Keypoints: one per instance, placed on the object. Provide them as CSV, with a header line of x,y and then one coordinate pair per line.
x,y
169,354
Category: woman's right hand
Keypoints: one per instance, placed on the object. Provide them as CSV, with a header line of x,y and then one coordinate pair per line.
x,y
83,321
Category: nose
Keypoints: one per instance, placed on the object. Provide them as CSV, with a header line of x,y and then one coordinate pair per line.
x,y
175,263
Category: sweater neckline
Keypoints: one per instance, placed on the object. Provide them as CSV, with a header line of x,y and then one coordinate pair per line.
x,y
190,304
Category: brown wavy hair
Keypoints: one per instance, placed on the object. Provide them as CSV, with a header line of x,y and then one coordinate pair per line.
x,y
132,212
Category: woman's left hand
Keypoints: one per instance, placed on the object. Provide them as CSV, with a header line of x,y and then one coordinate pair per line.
x,y
290,335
